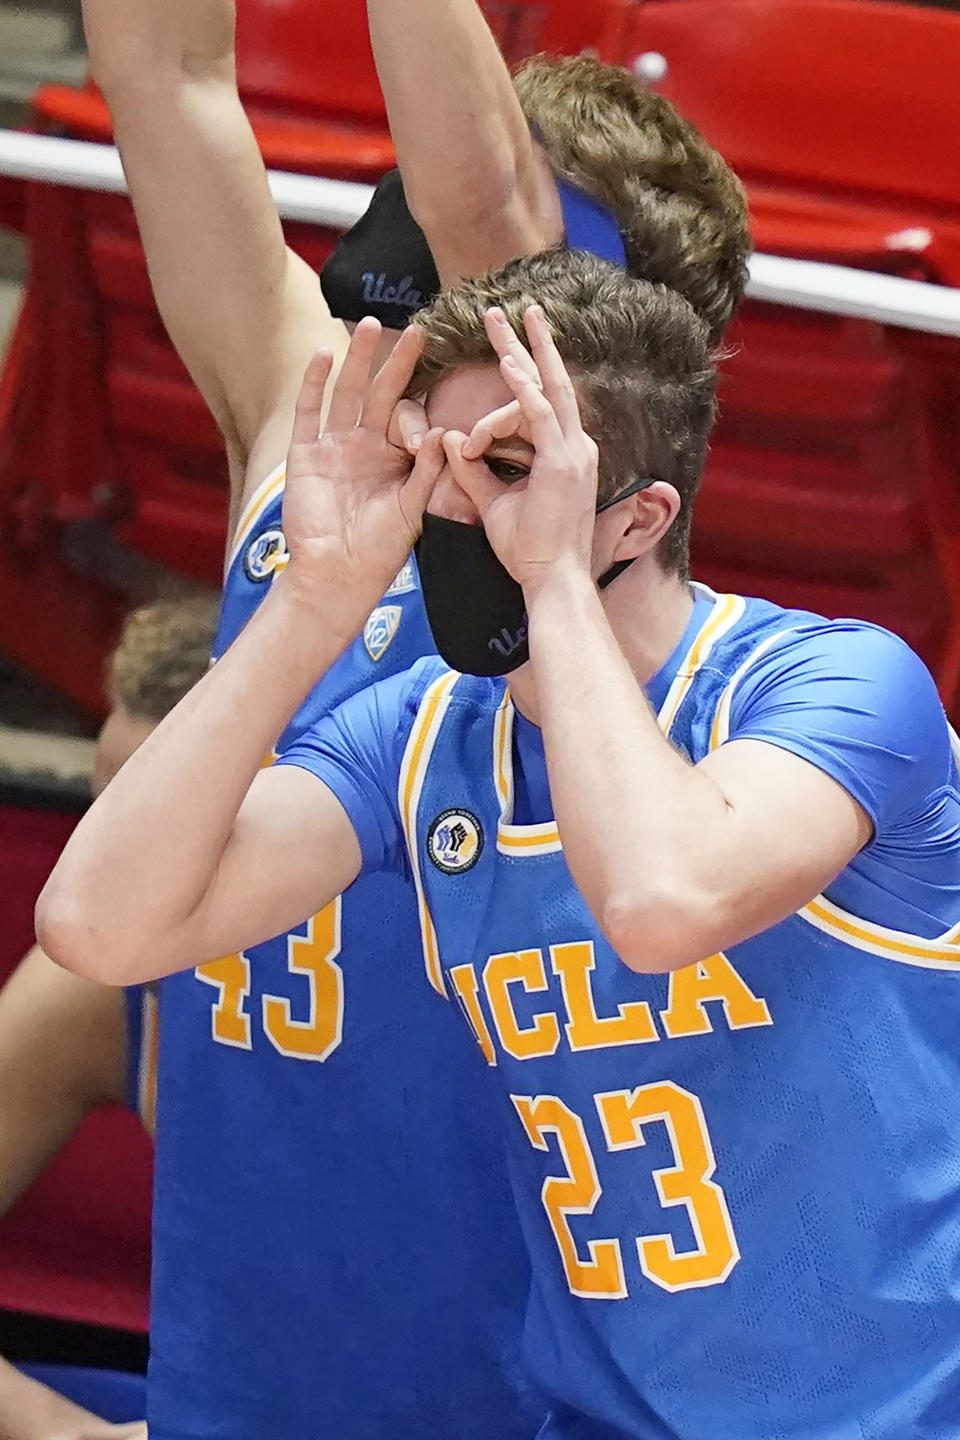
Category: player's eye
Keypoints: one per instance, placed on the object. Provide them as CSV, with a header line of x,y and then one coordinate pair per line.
x,y
509,471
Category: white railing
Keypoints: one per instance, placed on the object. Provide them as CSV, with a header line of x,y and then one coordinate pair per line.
x,y
804,284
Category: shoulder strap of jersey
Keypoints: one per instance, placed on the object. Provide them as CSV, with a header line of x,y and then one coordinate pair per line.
x,y
416,760
725,615
265,493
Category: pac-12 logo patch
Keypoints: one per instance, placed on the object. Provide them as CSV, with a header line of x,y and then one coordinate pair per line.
x,y
405,582
380,629
265,554
454,841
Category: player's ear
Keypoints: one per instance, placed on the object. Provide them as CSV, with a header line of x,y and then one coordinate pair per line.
x,y
641,521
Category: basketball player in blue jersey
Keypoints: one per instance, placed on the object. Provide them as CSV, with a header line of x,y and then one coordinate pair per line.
x,y
303,1133
691,871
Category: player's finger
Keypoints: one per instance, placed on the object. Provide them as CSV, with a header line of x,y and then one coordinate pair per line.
x,y
306,417
504,340
408,426
391,380
498,425
538,413
557,385
473,477
427,469
354,376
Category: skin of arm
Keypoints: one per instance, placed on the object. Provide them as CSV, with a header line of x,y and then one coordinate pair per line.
x,y
675,861
62,1054
31,1411
243,311
139,892
476,181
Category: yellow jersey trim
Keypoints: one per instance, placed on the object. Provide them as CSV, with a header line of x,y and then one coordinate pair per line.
x,y
416,761
940,954
147,1073
545,839
515,839
720,729
528,839
265,492
503,755
723,617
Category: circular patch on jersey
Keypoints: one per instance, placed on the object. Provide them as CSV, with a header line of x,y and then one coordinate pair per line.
x,y
454,841
264,553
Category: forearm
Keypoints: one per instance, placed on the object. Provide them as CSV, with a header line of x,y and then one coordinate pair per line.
x,y
244,313
639,824
124,901
31,1411
474,179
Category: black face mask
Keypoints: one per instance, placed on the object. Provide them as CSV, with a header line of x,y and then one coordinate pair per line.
x,y
475,608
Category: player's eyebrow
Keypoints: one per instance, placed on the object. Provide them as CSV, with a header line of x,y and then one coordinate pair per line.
x,y
512,447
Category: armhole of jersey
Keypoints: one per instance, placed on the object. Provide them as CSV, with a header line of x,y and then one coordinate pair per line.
x,y
954,744
942,953
727,612
263,495
413,770
720,729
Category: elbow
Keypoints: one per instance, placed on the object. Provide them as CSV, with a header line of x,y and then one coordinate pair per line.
x,y
133,77
655,933
67,932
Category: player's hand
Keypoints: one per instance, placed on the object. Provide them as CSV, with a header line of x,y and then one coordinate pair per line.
x,y
546,520
354,495
102,1430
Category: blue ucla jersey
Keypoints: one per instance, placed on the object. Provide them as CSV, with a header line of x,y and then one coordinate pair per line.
x,y
336,1252
739,1183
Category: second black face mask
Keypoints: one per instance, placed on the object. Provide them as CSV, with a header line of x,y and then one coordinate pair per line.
x,y
475,608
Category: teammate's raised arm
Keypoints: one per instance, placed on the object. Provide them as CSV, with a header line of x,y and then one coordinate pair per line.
x,y
137,892
244,312
475,179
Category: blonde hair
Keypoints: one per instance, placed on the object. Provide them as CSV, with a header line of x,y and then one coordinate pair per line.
x,y
163,651
639,357
681,210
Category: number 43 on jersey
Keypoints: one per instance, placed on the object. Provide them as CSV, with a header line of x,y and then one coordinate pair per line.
x,y
316,997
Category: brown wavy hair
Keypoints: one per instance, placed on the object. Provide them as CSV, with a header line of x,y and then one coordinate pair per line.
x,y
639,356
681,210
163,651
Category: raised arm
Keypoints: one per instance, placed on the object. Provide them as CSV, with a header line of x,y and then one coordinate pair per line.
x,y
676,861
475,180
193,851
244,312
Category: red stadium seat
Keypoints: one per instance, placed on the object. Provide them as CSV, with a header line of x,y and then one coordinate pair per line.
x,y
834,477
849,103
816,491
843,96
